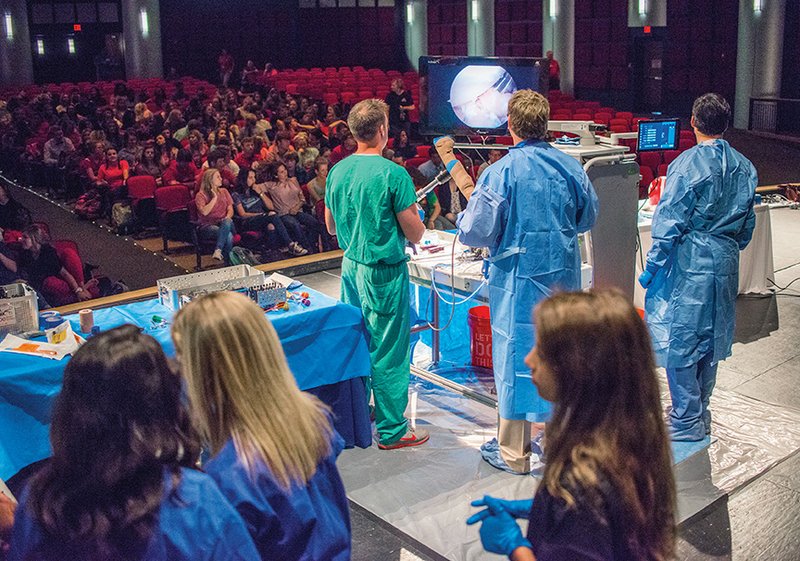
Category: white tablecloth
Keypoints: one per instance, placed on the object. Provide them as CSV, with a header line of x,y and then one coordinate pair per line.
x,y
755,262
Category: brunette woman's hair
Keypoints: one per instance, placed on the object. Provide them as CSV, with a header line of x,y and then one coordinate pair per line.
x,y
607,426
118,424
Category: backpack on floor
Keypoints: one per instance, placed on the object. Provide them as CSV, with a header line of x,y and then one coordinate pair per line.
x,y
243,256
88,205
122,218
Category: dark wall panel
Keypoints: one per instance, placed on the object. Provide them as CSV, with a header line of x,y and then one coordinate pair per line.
x,y
700,53
195,31
518,28
601,46
447,27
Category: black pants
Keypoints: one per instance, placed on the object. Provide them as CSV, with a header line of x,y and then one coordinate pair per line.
x,y
296,222
262,222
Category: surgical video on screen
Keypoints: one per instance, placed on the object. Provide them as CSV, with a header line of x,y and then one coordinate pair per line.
x,y
479,96
474,97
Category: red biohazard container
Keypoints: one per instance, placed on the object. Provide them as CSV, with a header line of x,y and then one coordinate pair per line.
x,y
480,336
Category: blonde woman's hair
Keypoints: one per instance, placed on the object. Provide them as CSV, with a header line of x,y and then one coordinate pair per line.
x,y
240,387
205,183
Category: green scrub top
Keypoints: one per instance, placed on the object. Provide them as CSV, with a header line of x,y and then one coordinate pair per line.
x,y
364,193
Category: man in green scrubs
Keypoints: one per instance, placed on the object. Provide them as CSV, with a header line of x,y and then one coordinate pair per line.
x,y
371,207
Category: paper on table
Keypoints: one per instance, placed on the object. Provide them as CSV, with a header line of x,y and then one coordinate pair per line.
x,y
62,341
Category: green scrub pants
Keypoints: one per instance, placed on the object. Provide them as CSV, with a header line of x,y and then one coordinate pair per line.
x,y
382,293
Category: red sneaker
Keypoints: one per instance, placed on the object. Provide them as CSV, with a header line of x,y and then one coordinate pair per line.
x,y
412,437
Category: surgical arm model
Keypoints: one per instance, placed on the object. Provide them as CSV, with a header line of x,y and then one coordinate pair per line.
x,y
444,146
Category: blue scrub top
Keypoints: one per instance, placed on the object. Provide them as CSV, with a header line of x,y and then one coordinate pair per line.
x,y
304,523
195,523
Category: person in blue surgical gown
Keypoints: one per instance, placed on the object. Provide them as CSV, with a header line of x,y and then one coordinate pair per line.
x,y
704,219
528,209
120,483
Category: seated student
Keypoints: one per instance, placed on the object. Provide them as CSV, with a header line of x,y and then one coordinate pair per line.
x,y
255,211
608,491
120,483
274,447
13,215
113,174
430,204
90,165
346,148
215,214
180,170
148,165
402,145
288,201
316,187
47,274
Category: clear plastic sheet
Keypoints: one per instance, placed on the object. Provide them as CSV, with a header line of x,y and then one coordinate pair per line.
x,y
425,492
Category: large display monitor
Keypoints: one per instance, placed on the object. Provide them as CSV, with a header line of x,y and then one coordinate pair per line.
x,y
658,135
469,95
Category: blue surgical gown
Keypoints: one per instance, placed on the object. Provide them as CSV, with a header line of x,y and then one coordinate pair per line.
x,y
528,209
195,523
705,217
305,523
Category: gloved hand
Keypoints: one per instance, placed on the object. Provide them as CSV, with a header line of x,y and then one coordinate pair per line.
x,y
646,279
421,214
517,509
499,531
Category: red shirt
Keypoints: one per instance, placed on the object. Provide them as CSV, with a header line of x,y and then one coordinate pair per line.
x,y
244,161
113,176
340,153
175,174
220,210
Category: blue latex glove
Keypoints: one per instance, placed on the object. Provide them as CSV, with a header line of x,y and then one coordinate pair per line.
x,y
499,532
421,213
517,509
646,279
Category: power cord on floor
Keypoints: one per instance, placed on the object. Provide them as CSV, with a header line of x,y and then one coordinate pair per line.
x,y
782,288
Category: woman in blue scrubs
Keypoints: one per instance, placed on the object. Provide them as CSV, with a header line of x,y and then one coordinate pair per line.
x,y
608,491
120,485
274,449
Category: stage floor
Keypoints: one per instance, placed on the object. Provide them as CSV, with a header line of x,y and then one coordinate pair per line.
x,y
739,498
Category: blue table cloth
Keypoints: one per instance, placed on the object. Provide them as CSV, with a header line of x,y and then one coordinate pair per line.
x,y
325,344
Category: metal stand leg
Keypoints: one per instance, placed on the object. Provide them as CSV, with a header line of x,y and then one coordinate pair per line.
x,y
435,335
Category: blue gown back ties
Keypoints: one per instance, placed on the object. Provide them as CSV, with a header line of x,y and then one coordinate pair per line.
x,y
303,524
528,209
704,218
196,523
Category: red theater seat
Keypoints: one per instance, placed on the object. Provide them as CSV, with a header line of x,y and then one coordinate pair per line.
x,y
669,156
647,178
650,159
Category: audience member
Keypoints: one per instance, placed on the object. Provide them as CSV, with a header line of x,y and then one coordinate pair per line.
x,y
180,170
430,204
47,274
288,199
130,152
346,148
494,155
215,214
274,449
113,174
433,166
121,483
149,163
400,102
402,145
13,215
255,211
58,148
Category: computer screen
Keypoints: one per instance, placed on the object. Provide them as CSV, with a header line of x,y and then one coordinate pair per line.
x,y
658,135
469,95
